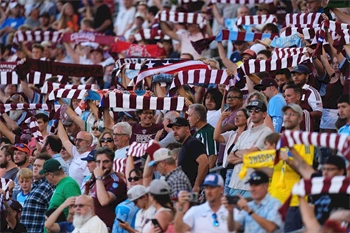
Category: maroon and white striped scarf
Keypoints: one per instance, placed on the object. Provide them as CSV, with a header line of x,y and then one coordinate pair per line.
x,y
50,86
7,66
181,17
4,183
242,2
256,19
280,53
56,116
340,142
88,37
201,76
34,129
309,33
303,18
253,66
147,34
67,93
138,149
32,78
120,62
317,185
171,69
27,107
127,101
21,36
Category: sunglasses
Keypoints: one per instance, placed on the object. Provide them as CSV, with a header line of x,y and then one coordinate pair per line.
x,y
255,110
94,128
21,145
216,222
106,140
135,178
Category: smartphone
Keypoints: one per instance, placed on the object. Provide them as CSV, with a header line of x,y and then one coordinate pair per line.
x,y
194,197
156,223
226,107
232,199
119,220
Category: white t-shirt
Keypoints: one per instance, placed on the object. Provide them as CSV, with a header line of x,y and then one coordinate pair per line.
x,y
124,18
142,216
213,117
78,169
121,153
93,225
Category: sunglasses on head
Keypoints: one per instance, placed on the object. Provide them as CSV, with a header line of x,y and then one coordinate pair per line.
x,y
106,140
135,178
21,145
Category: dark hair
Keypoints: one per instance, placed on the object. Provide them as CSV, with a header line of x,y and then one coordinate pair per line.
x,y
54,142
272,138
271,27
216,96
188,54
266,52
38,46
61,217
245,112
5,140
153,10
286,72
340,123
164,201
7,150
43,156
42,116
174,145
237,90
344,98
105,150
295,88
138,172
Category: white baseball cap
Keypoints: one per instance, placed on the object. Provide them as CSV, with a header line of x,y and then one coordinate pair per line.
x,y
160,155
136,192
159,187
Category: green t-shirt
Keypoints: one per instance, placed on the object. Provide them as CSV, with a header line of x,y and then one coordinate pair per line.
x,y
206,136
67,187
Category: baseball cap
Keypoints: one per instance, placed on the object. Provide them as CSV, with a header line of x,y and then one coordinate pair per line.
x,y
266,42
136,192
141,15
21,147
235,57
179,121
337,161
295,107
90,157
130,114
249,52
258,177
51,165
109,61
257,104
160,155
159,187
213,180
166,4
301,69
16,98
12,5
16,206
266,82
68,122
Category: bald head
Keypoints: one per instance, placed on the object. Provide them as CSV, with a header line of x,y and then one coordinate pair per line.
x,y
83,141
84,199
171,115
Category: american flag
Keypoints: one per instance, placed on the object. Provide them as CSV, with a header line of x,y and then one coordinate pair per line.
x,y
138,149
146,34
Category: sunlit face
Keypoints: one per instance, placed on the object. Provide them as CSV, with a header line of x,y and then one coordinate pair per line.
x,y
37,53
209,102
134,179
233,99
242,11
107,141
146,117
82,142
20,157
181,133
42,125
193,117
291,97
291,119
104,161
256,115
313,5
258,192
37,167
26,184
240,119
120,139
212,194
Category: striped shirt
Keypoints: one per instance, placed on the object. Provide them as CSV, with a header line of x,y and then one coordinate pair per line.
x,y
206,136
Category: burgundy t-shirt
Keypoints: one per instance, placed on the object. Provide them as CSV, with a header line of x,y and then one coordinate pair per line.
x,y
144,134
344,67
116,185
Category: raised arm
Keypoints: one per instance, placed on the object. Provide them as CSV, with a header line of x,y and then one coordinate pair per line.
x,y
72,115
50,223
7,133
147,173
62,134
75,57
227,62
218,129
344,18
308,216
167,31
217,15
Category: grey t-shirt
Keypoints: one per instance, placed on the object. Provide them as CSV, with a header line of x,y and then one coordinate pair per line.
x,y
11,174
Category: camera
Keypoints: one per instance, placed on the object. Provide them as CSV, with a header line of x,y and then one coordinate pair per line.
x,y
193,197
232,199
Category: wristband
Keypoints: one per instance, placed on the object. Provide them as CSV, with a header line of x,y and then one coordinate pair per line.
x,y
251,212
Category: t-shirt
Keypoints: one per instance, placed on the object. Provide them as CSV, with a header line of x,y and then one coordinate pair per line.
x,y
20,228
21,197
191,149
284,177
101,15
345,129
66,227
78,169
124,18
213,117
66,187
186,46
93,225
206,136
116,185
125,211
274,110
121,153
143,216
11,174
144,134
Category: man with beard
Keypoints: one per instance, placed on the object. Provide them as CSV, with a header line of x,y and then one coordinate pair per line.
x,y
292,117
37,202
45,24
344,113
6,161
81,149
109,188
208,217
85,220
146,129
52,145
192,156
21,155
65,186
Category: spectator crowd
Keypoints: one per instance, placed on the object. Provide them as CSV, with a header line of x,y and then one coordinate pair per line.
x,y
174,116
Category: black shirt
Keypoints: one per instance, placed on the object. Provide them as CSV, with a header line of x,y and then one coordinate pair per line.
x,y
191,149
101,15
20,228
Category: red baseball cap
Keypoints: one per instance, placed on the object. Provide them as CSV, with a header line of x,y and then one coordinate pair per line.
x,y
21,147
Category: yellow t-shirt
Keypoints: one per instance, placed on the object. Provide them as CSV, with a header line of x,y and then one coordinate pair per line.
x,y
282,184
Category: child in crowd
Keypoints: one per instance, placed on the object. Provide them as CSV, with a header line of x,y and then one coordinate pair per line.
x,y
25,180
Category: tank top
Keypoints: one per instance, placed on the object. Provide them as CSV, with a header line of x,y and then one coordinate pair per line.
x,y
333,92
147,228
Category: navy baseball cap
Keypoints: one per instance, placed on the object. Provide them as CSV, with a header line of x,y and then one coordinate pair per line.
x,y
301,69
264,83
90,157
213,180
235,57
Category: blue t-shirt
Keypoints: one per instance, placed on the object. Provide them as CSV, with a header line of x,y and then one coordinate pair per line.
x,y
66,227
274,110
125,211
22,197
12,22
345,129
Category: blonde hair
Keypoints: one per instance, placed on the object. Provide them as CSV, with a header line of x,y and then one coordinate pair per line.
x,y
25,173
